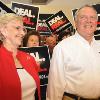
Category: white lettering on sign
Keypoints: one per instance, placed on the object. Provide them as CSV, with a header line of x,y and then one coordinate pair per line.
x,y
54,20
23,12
43,76
36,56
42,24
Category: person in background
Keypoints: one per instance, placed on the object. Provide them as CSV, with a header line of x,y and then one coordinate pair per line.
x,y
31,39
51,42
18,77
75,64
63,35
43,38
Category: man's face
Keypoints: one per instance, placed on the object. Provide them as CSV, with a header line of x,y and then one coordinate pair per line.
x,y
51,41
86,22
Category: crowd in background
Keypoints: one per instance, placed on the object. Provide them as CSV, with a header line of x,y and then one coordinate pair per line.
x,y
34,38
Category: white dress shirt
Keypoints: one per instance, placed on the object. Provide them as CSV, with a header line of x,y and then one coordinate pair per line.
x,y
75,68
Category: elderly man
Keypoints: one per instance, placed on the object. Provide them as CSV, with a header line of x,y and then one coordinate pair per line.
x,y
75,64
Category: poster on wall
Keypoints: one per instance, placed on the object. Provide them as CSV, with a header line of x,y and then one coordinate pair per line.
x,y
42,57
97,32
42,26
58,22
30,14
4,9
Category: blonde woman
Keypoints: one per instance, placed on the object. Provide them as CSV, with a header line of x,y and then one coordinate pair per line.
x,y
18,77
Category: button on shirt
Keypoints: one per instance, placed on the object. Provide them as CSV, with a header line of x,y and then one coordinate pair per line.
x,y
75,68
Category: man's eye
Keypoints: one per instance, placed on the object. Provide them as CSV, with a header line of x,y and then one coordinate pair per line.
x,y
94,18
82,17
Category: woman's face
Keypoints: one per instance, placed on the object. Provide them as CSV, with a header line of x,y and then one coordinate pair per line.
x,y
33,40
14,32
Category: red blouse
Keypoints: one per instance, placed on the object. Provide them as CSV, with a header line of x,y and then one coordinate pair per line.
x,y
10,86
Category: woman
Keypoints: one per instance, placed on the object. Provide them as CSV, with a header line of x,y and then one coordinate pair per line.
x,y
18,77
31,39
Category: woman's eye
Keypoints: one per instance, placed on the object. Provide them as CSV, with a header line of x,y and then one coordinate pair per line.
x,y
17,27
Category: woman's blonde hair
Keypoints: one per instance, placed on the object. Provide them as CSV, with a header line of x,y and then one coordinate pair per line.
x,y
6,18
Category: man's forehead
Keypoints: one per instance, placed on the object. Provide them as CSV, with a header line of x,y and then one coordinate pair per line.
x,y
86,9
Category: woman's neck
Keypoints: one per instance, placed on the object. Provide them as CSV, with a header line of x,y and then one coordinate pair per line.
x,y
10,47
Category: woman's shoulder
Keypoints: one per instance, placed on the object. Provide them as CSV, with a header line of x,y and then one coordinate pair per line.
x,y
24,55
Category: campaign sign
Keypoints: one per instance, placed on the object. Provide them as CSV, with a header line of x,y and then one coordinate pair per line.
x,y
42,26
42,57
97,32
4,9
29,13
58,22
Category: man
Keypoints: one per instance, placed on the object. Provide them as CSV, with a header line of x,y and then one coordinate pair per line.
x,y
51,42
75,64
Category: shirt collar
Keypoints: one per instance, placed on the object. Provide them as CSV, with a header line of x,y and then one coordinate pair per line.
x,y
84,40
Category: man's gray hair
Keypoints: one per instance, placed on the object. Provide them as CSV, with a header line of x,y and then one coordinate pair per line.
x,y
90,6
